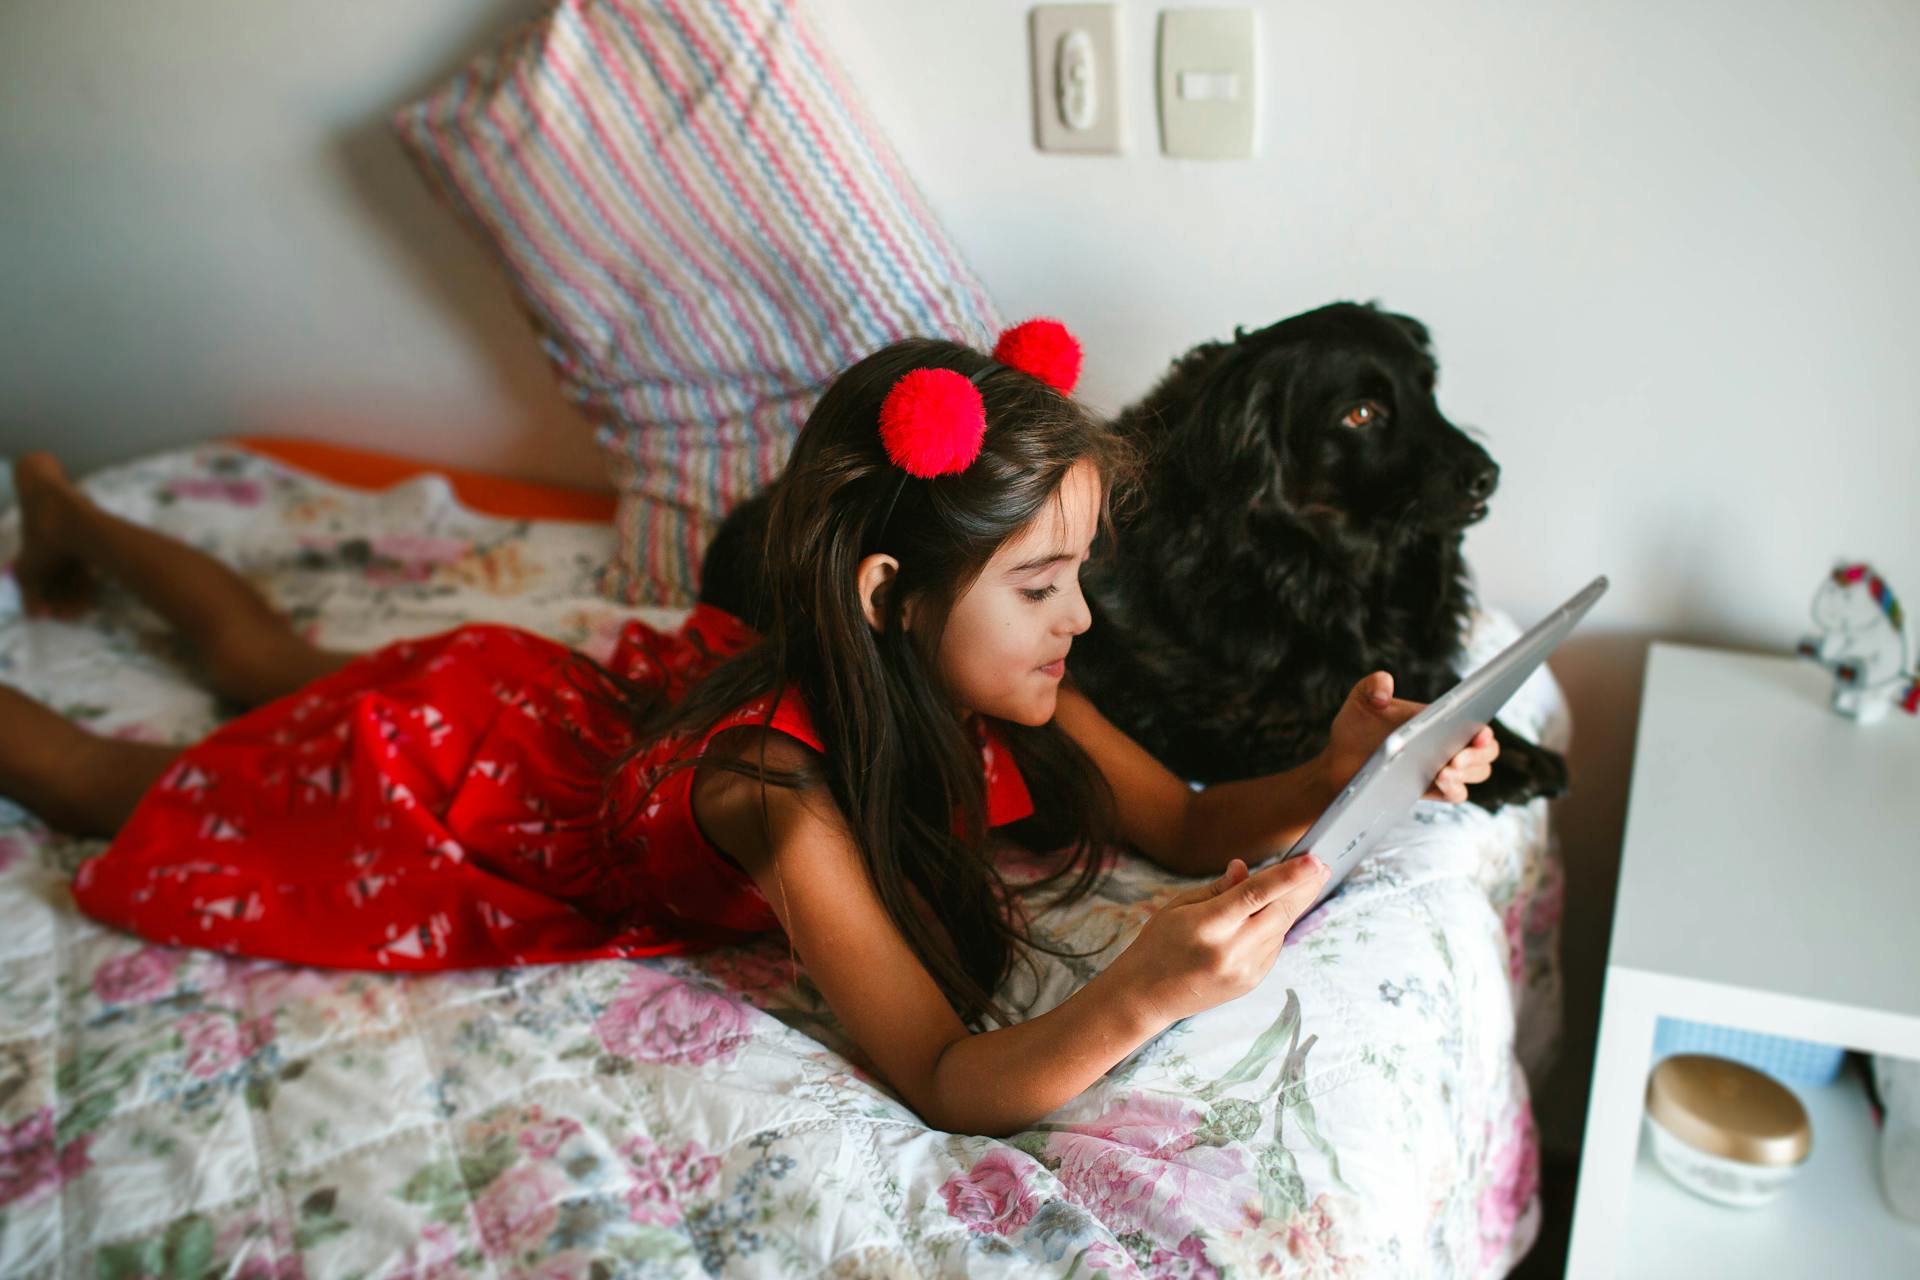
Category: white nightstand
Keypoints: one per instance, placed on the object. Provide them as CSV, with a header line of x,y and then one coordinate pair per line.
x,y
1770,881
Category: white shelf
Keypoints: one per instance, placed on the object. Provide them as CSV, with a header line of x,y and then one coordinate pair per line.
x,y
1768,883
1770,844
1830,1221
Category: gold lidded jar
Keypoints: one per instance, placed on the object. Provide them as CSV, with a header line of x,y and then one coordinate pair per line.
x,y
1725,1131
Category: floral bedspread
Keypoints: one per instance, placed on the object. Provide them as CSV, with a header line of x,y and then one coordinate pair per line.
x,y
179,1113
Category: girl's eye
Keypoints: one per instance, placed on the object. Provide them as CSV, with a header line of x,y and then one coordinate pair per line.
x,y
1038,596
1368,413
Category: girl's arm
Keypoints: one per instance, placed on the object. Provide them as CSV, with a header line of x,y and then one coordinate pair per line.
x,y
1199,833
996,1082
1192,832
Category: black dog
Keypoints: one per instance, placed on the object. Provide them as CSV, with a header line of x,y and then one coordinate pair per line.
x,y
1299,525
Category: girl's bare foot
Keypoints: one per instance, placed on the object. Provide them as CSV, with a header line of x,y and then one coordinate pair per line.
x,y
53,581
72,780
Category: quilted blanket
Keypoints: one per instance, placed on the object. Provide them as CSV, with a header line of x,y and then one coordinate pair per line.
x,y
168,1112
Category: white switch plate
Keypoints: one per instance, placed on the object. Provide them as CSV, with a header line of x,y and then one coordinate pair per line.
x,y
1208,95
1076,78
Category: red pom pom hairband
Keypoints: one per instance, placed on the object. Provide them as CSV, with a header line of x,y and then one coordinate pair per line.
x,y
933,420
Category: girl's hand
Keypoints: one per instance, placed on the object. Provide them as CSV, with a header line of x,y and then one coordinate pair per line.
x,y
1216,942
1473,764
1370,713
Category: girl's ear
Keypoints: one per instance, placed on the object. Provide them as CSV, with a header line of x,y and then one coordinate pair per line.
x,y
875,577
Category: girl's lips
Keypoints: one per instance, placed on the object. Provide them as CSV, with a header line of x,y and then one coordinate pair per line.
x,y
1056,668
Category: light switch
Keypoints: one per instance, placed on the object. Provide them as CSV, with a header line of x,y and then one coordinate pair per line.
x,y
1076,78
1207,83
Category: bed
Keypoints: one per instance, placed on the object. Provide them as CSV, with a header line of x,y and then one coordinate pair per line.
x,y
184,1113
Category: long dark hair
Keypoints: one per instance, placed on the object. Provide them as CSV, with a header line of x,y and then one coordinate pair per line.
x,y
898,761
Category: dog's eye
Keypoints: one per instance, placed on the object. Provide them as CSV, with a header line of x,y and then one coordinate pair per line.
x,y
1368,413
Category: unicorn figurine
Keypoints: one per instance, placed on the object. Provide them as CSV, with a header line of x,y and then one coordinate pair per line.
x,y
1863,641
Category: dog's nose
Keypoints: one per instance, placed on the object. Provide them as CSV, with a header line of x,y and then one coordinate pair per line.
x,y
1482,482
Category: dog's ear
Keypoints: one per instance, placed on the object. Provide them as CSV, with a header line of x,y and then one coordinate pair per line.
x,y
1155,416
1236,426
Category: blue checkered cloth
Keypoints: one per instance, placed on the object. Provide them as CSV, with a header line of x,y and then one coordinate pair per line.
x,y
1801,1062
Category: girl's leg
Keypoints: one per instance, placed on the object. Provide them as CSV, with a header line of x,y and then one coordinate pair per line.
x,y
72,780
252,654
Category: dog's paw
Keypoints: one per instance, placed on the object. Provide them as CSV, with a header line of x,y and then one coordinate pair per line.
x,y
1521,772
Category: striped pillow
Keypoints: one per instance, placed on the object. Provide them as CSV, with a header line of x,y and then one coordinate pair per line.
x,y
705,227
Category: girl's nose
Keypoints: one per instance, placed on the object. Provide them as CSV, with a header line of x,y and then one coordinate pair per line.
x,y
1079,617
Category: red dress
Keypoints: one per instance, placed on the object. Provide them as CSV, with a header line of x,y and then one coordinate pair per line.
x,y
442,804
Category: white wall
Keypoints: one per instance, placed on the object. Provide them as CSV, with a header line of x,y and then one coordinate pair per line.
x,y
1668,253
206,228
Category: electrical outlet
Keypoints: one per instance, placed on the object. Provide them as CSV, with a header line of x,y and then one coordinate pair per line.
x,y
1076,78
1207,78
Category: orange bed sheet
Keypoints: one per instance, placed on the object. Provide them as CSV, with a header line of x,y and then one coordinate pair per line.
x,y
494,495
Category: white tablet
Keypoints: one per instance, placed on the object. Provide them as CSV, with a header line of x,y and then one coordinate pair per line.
x,y
1400,772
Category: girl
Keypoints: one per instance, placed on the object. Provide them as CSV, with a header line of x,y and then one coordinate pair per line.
x,y
485,797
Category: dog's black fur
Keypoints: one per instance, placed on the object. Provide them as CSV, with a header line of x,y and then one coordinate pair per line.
x,y
1299,523
1278,552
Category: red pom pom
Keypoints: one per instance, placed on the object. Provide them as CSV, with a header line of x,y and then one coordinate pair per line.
x,y
932,422
1044,349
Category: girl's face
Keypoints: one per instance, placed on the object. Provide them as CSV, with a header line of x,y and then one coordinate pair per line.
x,y
1004,648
